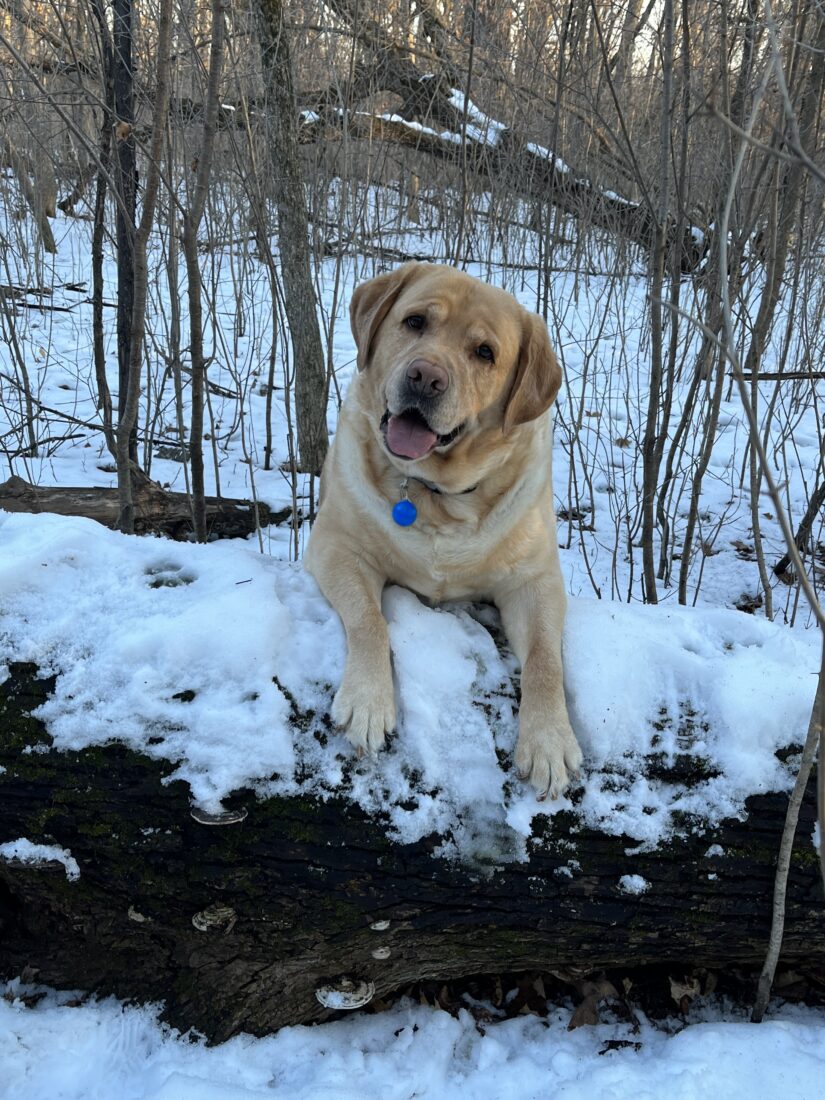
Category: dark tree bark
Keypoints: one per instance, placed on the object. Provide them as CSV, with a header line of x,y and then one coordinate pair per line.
x,y
129,395
104,396
235,926
122,84
293,220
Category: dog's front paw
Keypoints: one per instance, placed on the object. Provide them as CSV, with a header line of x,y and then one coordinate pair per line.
x,y
546,758
365,711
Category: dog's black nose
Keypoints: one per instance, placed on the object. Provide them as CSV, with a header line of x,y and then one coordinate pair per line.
x,y
426,378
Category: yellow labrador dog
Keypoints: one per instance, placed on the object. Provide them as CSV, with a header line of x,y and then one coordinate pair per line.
x,y
439,479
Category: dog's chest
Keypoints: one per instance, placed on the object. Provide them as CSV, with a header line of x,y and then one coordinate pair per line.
x,y
446,564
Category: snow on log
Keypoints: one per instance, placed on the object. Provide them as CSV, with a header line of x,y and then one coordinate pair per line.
x,y
236,862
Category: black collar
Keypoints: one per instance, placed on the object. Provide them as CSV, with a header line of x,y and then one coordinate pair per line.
x,y
440,492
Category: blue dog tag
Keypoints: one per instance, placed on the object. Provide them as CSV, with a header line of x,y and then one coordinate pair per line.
x,y
404,513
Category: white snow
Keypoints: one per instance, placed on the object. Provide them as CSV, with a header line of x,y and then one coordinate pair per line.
x,y
24,851
545,154
485,130
445,135
191,653
633,884
102,1049
615,197
479,128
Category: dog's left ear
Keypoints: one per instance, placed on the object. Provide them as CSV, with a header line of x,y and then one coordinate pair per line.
x,y
537,377
371,303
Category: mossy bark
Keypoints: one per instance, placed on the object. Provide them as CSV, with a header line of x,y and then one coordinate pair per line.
x,y
285,900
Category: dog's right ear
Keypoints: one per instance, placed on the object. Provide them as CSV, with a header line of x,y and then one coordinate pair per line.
x,y
371,303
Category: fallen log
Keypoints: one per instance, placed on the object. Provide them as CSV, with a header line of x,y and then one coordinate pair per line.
x,y
157,511
248,921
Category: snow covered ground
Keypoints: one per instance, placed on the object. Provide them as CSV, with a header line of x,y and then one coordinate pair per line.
x,y
152,640
100,1050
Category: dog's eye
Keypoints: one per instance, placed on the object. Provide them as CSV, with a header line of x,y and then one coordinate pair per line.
x,y
415,321
485,352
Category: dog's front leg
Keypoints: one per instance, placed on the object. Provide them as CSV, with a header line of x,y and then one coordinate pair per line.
x,y
364,705
547,750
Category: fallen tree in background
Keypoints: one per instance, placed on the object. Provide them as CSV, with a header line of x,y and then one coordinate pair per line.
x,y
156,510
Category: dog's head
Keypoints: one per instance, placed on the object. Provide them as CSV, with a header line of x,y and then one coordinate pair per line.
x,y
448,356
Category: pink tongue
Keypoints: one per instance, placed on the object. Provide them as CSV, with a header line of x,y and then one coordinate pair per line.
x,y
409,438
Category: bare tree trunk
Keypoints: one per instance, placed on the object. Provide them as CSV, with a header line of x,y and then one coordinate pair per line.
x,y
299,291
125,176
9,334
790,184
680,171
621,62
191,224
129,395
650,446
104,397
465,182
803,531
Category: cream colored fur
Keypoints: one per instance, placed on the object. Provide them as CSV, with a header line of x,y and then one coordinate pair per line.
x,y
495,542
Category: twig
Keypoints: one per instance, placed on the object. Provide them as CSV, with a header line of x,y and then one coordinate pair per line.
x,y
781,376
783,861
